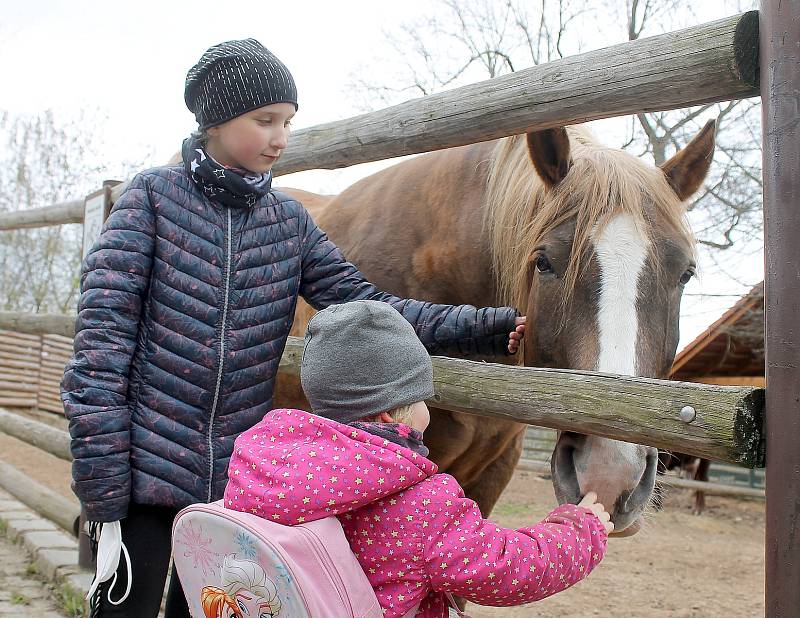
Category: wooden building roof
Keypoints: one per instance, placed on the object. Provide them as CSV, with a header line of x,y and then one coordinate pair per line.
x,y
731,350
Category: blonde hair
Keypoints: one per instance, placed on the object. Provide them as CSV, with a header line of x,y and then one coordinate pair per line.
x,y
247,575
403,415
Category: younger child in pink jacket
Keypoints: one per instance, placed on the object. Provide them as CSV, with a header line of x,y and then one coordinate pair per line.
x,y
360,456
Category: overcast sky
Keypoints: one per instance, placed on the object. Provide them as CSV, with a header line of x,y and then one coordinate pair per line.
x,y
129,60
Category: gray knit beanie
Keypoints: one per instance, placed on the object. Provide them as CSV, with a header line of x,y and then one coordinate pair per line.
x,y
236,77
363,358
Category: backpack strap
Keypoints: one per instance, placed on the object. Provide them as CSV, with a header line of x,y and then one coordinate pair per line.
x,y
453,605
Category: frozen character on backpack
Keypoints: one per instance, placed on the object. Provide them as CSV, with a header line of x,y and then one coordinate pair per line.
x,y
360,457
246,591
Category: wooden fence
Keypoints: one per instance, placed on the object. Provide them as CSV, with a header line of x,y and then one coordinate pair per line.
x,y
31,367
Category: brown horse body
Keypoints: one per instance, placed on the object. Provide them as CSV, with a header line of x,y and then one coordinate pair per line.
x,y
437,228
431,248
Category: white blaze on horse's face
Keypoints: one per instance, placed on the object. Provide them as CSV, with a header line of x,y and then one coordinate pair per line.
x,y
621,250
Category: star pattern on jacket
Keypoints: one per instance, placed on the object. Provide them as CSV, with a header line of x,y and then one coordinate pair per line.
x,y
412,530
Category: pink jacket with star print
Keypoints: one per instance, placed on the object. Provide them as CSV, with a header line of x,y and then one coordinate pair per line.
x,y
412,530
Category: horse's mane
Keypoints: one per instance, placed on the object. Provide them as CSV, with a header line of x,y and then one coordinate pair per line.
x,y
601,183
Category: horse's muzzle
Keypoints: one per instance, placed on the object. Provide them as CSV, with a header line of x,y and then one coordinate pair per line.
x,y
624,483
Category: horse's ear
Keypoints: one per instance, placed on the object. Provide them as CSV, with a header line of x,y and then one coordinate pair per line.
x,y
549,152
688,168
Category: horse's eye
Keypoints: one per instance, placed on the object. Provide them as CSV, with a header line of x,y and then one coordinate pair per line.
x,y
687,276
543,265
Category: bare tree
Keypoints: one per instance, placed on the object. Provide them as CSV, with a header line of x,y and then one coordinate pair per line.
x,y
467,40
45,160
730,203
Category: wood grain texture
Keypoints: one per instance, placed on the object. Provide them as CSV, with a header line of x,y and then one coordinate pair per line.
x,y
712,62
728,426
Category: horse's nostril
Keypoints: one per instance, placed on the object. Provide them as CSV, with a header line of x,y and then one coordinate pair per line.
x,y
565,479
623,505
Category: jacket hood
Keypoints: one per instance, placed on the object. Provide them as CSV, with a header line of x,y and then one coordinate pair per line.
x,y
295,467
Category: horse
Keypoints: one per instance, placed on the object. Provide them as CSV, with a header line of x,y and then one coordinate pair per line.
x,y
591,243
690,467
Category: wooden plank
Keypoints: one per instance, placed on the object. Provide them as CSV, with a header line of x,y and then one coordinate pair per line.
x,y
65,212
49,439
52,395
57,340
50,402
780,95
19,364
57,351
38,323
65,345
728,425
57,408
41,499
16,348
7,387
18,402
731,380
51,383
54,365
16,335
711,62
712,489
17,375
51,376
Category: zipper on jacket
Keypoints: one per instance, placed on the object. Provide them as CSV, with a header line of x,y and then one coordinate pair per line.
x,y
221,355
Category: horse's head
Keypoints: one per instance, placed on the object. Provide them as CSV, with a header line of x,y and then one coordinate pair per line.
x,y
609,253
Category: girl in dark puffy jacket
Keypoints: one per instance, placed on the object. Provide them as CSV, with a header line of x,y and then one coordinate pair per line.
x,y
186,301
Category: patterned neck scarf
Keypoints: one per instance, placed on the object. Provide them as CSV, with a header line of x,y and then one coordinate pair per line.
x,y
398,433
230,187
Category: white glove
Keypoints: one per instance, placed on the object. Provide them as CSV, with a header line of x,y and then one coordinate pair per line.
x,y
109,548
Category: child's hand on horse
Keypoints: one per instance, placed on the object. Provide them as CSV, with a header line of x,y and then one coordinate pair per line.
x,y
590,502
516,335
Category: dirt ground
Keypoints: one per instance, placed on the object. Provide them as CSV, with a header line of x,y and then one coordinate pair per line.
x,y
680,566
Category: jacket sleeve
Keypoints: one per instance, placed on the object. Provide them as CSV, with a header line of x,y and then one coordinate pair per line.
x,y
472,557
114,280
329,279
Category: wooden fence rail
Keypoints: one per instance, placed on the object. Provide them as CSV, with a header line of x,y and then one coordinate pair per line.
x,y
49,439
727,425
41,499
712,62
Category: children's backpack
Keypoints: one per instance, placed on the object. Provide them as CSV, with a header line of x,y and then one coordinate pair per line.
x,y
226,559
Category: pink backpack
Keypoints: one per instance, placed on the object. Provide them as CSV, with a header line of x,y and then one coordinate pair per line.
x,y
226,559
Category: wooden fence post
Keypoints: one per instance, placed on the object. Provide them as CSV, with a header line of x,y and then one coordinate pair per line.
x,y
780,93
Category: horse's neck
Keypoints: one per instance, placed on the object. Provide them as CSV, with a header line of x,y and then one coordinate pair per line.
x,y
417,229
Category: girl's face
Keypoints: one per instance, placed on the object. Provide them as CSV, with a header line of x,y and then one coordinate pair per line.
x,y
253,141
420,416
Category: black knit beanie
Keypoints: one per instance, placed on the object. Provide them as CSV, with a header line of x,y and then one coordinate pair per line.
x,y
236,77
